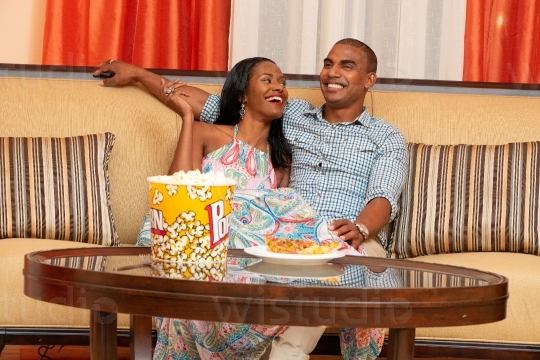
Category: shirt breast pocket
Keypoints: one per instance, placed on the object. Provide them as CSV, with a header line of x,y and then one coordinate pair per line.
x,y
359,158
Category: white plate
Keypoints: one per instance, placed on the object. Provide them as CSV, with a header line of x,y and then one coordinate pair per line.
x,y
321,271
291,259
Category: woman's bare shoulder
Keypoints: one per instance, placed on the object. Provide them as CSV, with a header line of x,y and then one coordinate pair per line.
x,y
212,136
213,131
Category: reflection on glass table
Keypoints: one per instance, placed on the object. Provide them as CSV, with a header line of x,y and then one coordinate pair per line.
x,y
240,266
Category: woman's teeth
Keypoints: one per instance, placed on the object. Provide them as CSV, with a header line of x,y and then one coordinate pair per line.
x,y
275,98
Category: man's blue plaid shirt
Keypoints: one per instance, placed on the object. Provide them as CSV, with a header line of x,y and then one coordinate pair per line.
x,y
338,168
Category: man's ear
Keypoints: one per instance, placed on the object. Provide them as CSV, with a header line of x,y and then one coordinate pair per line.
x,y
371,78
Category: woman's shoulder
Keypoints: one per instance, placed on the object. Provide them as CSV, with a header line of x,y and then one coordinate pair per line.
x,y
213,127
213,130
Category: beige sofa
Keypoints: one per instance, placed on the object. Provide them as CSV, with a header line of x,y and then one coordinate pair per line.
x,y
146,134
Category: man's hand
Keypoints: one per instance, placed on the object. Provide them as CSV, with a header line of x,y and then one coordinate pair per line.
x,y
124,73
346,231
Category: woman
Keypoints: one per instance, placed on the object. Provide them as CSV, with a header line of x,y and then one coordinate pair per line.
x,y
247,143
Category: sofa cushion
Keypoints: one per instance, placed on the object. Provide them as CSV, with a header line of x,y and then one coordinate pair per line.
x,y
523,307
463,198
56,188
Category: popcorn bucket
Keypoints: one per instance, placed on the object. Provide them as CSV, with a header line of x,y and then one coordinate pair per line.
x,y
190,220
202,271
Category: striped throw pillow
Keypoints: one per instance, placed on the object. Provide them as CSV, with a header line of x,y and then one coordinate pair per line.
x,y
465,198
56,188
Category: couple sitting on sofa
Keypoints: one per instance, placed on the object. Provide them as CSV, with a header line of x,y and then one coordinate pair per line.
x,y
350,167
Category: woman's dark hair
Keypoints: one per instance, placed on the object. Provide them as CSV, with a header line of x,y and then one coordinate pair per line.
x,y
235,88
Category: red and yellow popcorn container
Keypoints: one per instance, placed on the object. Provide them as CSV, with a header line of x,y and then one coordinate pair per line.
x,y
190,220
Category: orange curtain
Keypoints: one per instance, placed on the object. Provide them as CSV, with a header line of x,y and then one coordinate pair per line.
x,y
502,41
161,34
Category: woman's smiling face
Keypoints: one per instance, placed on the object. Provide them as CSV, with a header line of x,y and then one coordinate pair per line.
x,y
266,94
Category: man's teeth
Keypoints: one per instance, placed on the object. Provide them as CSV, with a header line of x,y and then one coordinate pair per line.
x,y
335,86
275,98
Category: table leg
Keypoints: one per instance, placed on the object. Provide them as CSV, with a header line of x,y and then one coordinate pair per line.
x,y
400,344
103,338
140,337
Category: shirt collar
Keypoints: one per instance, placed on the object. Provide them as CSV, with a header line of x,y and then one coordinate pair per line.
x,y
363,119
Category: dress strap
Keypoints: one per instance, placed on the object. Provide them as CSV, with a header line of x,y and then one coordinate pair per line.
x,y
235,131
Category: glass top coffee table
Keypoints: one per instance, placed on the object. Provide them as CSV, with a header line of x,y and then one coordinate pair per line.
x,y
349,292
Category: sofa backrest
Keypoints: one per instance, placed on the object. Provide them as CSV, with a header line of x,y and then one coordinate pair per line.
x,y
146,132
444,119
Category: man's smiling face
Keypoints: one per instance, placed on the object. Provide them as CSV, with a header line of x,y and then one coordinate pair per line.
x,y
344,78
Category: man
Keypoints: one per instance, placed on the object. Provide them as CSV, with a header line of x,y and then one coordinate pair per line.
x,y
349,166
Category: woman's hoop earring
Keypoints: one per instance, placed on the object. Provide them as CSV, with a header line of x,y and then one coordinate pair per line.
x,y
242,111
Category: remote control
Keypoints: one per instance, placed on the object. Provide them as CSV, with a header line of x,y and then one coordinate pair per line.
x,y
105,74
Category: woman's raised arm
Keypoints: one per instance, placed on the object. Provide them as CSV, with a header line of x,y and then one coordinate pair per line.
x,y
171,94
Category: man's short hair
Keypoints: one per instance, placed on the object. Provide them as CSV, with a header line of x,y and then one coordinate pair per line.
x,y
370,54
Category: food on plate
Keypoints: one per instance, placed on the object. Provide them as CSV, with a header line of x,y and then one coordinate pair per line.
x,y
302,247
